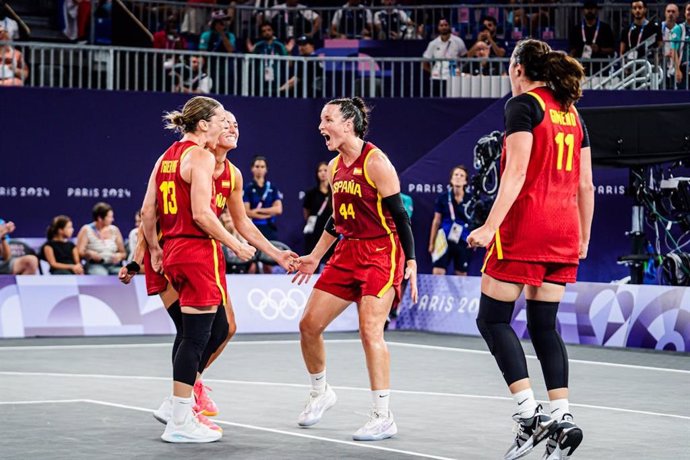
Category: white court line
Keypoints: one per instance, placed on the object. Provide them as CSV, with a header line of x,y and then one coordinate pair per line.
x,y
334,341
287,433
44,401
344,388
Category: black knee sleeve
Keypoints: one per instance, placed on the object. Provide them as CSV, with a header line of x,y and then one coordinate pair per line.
x,y
493,322
547,342
175,314
219,334
196,330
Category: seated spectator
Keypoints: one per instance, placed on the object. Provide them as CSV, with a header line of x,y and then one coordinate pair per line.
x,y
639,30
392,23
266,70
292,19
487,35
22,265
170,38
311,71
13,69
317,207
192,78
133,237
233,264
353,20
592,38
9,24
218,39
263,201
485,66
60,253
100,243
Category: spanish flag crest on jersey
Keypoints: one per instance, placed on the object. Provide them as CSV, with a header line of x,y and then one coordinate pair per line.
x,y
357,172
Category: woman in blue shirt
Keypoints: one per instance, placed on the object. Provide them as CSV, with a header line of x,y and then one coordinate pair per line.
x,y
262,199
450,216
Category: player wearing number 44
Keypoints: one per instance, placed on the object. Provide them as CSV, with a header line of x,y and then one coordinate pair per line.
x,y
367,265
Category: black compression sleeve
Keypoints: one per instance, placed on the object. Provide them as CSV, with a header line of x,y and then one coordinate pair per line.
x,y
522,113
330,227
402,224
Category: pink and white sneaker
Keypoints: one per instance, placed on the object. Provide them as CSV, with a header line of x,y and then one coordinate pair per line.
x,y
208,422
204,404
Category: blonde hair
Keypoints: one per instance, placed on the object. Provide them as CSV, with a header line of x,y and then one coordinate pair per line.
x,y
196,109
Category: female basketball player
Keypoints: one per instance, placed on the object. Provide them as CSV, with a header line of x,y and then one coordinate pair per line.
x,y
537,231
367,266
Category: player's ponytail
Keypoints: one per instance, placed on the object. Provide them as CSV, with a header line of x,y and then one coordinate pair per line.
x,y
561,72
356,110
196,109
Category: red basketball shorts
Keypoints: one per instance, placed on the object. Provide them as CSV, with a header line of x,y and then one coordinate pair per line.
x,y
196,270
530,273
364,267
155,282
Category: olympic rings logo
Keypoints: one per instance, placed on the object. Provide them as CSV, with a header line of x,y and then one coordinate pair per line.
x,y
277,302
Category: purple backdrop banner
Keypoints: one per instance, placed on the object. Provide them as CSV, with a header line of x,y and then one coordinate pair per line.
x,y
608,315
101,305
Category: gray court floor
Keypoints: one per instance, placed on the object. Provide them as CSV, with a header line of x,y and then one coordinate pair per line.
x,y
92,398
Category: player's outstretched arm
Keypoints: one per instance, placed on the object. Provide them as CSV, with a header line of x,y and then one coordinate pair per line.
x,y
149,217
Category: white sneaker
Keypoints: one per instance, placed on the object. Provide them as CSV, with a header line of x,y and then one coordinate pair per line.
x,y
317,404
380,426
164,413
191,431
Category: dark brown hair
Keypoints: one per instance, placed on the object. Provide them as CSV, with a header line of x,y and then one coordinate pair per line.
x,y
100,210
356,110
561,72
57,224
463,167
196,109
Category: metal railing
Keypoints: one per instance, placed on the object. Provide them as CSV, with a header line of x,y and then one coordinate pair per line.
x,y
136,69
546,21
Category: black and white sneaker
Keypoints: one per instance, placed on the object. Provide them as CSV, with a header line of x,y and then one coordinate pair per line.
x,y
529,432
564,440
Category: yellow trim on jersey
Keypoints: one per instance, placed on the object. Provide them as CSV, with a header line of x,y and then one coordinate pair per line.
x,y
364,167
216,269
391,278
539,99
486,259
232,176
335,167
186,151
379,208
499,248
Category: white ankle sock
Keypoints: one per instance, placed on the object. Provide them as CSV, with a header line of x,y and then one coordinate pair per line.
x,y
559,407
381,399
318,381
180,408
525,402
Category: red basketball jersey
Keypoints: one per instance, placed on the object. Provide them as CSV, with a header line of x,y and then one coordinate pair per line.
x,y
543,223
223,186
357,208
174,195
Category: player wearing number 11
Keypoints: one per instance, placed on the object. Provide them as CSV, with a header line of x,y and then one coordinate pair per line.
x,y
536,232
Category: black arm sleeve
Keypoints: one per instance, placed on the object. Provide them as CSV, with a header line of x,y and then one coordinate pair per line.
x,y
402,223
330,227
522,113
585,133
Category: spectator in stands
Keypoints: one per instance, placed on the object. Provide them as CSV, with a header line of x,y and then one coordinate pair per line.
x,y
353,20
292,19
192,78
591,38
218,39
132,238
9,24
170,38
100,242
484,67
639,30
13,69
392,23
450,227
60,253
77,15
671,32
445,46
262,199
487,35
22,265
317,208
266,70
311,71
233,264
683,53
194,19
